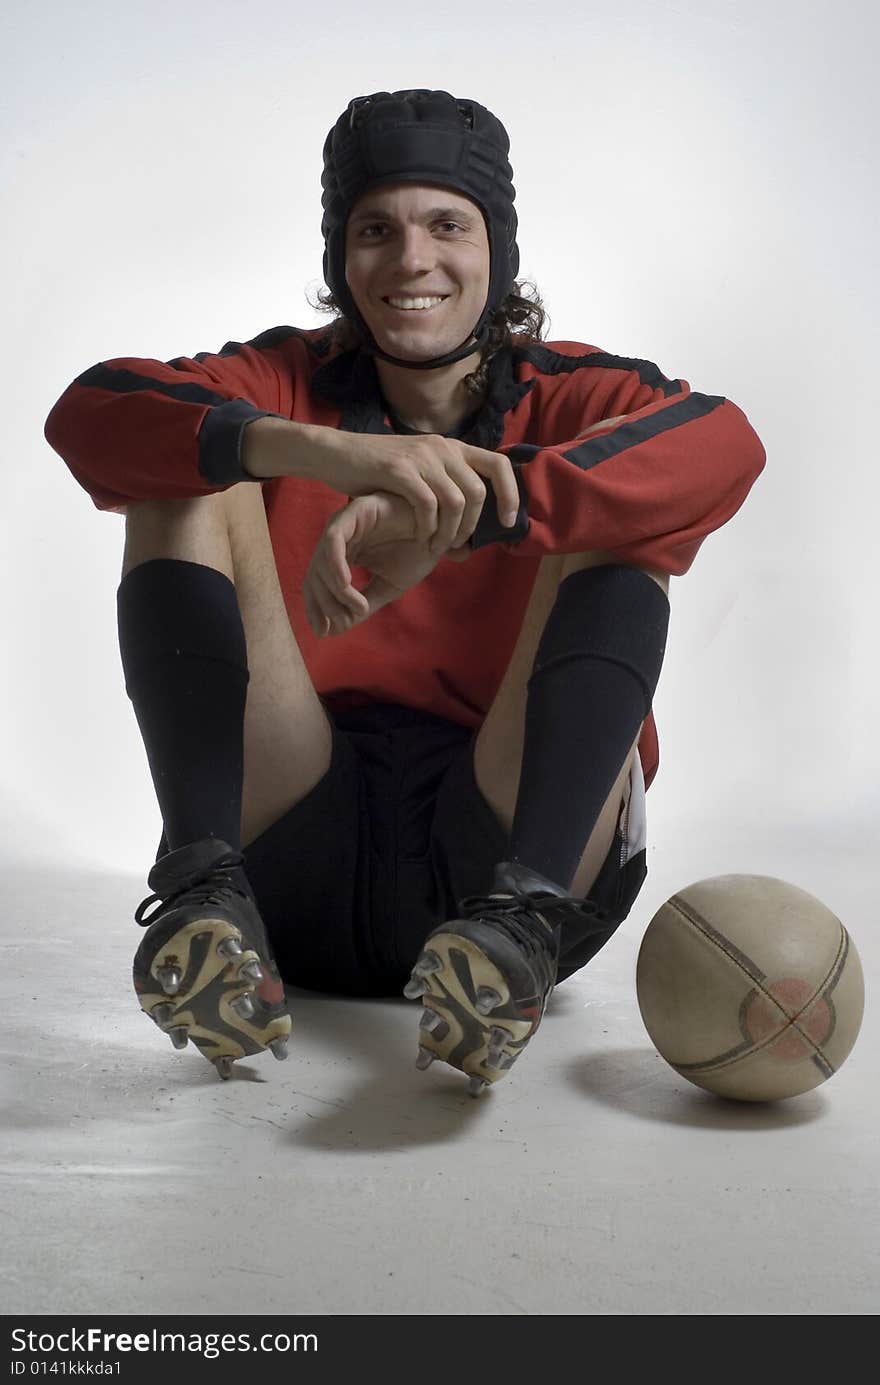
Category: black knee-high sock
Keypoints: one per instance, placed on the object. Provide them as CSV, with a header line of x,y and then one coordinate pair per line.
x,y
595,674
184,656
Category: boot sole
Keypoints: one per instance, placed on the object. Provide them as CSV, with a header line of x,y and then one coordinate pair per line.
x,y
468,963
209,984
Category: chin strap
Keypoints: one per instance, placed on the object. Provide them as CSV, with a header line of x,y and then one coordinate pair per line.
x,y
474,342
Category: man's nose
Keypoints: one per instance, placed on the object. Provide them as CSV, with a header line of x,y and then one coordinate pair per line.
x,y
415,248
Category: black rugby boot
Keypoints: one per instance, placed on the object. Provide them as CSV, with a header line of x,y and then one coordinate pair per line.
x,y
485,977
205,970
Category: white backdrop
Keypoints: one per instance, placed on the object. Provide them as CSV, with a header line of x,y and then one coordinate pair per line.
x,y
696,184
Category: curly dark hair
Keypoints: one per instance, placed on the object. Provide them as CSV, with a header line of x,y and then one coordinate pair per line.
x,y
522,317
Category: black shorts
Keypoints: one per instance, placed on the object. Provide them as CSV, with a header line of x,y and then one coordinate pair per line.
x,y
351,880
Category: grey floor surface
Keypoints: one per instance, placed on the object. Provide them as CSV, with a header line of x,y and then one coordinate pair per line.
x,y
591,1180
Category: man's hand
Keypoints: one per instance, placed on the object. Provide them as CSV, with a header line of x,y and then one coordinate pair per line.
x,y
443,479
439,477
377,532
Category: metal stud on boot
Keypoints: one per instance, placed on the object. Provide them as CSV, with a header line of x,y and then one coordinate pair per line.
x,y
169,979
243,1005
487,999
433,1023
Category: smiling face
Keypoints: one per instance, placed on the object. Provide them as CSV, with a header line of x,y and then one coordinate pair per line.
x,y
417,262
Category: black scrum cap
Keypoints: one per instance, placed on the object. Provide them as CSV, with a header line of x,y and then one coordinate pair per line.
x,y
420,136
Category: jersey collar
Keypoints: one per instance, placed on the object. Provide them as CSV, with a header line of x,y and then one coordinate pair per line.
x,y
351,381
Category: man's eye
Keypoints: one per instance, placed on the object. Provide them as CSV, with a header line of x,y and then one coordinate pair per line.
x,y
381,226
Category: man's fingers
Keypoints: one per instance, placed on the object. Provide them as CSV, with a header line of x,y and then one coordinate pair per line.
x,y
336,541
446,509
379,592
337,573
319,624
499,470
458,505
472,495
438,504
424,503
340,615
343,593
320,621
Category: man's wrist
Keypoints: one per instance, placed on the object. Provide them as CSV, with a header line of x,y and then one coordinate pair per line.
x,y
274,446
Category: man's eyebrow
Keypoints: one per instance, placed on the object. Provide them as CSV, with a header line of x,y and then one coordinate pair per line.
x,y
435,214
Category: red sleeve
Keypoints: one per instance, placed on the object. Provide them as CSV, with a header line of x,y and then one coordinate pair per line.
x,y
649,488
134,429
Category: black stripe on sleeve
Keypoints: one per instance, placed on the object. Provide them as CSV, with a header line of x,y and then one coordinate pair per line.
x,y
122,381
221,429
317,344
587,454
592,451
554,363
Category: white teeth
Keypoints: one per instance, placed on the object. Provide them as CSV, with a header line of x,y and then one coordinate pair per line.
x,y
413,302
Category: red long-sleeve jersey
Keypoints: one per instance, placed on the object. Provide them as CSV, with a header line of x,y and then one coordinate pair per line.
x,y
649,488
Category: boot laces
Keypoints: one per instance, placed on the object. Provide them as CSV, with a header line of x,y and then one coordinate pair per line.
x,y
517,918
215,887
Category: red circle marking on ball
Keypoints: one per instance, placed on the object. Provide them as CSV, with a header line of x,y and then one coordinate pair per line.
x,y
761,1020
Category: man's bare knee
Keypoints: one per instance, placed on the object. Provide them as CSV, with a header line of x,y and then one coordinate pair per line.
x,y
577,562
192,530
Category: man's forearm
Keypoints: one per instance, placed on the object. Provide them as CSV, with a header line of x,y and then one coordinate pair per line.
x,y
281,447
